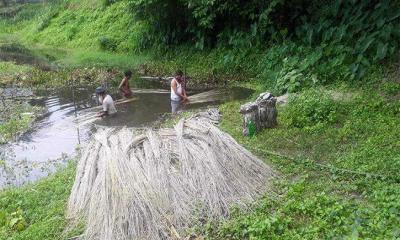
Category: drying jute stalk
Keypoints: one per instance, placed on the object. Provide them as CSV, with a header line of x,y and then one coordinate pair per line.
x,y
154,184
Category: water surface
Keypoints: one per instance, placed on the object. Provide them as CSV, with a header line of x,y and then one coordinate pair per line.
x,y
56,135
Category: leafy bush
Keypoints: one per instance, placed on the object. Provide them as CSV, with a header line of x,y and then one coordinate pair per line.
x,y
310,108
292,66
206,23
320,42
369,28
107,44
290,81
44,21
107,3
15,220
71,33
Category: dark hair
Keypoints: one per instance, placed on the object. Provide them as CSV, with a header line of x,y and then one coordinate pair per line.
x,y
179,73
128,73
100,90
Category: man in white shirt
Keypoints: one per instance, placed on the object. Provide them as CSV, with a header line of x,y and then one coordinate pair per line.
x,y
178,91
107,102
178,88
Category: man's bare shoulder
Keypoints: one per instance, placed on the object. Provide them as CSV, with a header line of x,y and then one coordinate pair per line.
x,y
173,82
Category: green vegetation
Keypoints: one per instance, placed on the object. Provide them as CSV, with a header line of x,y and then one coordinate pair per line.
x,y
312,107
99,59
15,118
81,66
339,164
10,71
337,144
287,45
37,211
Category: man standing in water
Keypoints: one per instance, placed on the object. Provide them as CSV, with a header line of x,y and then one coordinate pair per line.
x,y
178,91
124,85
107,103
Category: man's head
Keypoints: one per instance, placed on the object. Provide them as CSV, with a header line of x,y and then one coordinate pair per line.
x,y
100,91
128,73
178,75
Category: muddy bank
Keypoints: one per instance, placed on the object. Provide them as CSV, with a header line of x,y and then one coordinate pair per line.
x,y
22,56
60,78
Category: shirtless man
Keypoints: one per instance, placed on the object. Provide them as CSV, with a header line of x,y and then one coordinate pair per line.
x,y
124,85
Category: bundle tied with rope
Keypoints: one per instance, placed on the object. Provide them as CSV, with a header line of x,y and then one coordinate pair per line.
x,y
154,184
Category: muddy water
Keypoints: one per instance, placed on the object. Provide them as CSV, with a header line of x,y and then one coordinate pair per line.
x,y
57,135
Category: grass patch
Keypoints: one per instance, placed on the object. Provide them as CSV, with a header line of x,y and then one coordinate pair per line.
x,y
85,58
340,177
10,71
37,211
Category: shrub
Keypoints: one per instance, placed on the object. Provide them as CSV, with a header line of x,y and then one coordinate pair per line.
x,y
310,108
72,32
106,3
370,30
107,44
46,19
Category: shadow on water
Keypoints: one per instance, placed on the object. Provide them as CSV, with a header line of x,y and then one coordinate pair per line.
x,y
56,134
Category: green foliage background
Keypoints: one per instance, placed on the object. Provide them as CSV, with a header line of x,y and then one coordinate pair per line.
x,y
287,44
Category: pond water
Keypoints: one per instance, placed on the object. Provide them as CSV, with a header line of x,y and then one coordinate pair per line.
x,y
57,135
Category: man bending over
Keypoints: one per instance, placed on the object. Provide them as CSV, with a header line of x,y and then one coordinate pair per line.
x,y
107,103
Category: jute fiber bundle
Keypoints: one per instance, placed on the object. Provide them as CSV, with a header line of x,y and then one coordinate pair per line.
x,y
154,184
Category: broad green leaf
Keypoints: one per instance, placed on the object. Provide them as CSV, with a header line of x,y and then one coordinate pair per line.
x,y
310,35
381,50
365,45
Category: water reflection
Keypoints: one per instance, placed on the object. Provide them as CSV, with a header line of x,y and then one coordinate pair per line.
x,y
176,106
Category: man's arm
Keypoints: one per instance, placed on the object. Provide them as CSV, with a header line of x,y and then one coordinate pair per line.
x,y
101,114
105,110
122,83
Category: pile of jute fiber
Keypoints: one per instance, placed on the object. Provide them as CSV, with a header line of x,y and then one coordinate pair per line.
x,y
154,184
